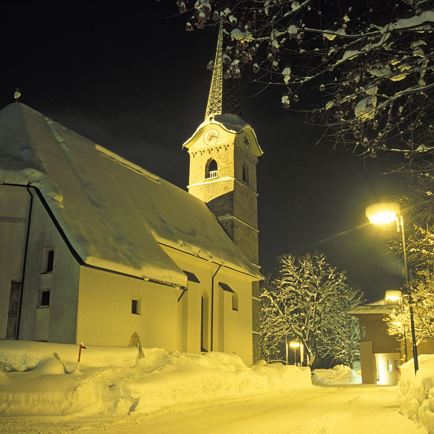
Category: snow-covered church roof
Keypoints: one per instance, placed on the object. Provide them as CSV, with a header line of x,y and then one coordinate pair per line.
x,y
115,214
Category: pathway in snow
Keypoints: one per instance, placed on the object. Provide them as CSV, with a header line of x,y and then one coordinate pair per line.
x,y
318,410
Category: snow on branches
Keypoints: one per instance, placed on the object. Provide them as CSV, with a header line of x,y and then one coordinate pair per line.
x,y
371,62
308,300
422,294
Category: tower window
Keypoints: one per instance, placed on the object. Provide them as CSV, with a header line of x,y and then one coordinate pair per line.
x,y
44,297
245,173
47,260
211,170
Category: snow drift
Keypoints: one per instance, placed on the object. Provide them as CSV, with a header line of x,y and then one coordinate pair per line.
x,y
26,355
144,385
416,393
340,374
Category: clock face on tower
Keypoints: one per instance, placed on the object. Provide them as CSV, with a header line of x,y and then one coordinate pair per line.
x,y
211,136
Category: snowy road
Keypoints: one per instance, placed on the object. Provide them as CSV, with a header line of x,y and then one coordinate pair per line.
x,y
318,410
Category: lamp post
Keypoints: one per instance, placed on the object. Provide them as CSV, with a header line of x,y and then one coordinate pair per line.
x,y
382,214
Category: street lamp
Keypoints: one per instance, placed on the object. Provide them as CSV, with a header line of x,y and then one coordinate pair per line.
x,y
393,296
385,213
295,345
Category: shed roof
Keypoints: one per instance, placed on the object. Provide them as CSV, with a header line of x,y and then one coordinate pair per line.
x,y
376,307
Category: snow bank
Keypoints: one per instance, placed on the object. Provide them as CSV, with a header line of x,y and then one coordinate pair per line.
x,y
416,393
340,374
26,355
159,380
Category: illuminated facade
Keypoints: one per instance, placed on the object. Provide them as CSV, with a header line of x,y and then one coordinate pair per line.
x,y
98,250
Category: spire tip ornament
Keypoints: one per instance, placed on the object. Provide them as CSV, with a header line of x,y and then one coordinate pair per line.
x,y
17,95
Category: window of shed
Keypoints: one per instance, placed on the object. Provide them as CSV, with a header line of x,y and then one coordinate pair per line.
x,y
135,307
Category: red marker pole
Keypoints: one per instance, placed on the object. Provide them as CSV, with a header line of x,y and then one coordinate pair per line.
x,y
81,347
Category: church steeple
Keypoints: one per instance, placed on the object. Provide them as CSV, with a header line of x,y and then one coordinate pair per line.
x,y
223,156
224,152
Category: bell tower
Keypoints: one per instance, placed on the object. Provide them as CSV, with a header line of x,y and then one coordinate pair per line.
x,y
224,152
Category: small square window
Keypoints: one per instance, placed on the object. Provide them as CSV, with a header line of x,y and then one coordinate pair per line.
x,y
47,265
44,298
135,307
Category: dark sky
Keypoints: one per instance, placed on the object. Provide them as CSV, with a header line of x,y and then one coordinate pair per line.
x,y
132,80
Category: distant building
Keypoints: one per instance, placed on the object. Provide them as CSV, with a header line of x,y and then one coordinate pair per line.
x,y
380,353
99,250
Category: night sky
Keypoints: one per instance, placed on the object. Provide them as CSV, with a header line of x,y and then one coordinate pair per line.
x,y
135,82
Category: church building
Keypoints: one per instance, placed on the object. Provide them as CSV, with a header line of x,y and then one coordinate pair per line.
x,y
96,249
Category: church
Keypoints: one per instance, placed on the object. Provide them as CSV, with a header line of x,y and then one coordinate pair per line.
x,y
96,249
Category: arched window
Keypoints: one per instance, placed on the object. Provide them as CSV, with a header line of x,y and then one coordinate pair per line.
x,y
245,173
211,170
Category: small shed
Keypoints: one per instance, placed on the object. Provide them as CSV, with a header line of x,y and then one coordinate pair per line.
x,y
380,353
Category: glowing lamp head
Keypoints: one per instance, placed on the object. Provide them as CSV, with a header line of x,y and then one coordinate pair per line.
x,y
393,296
294,344
382,213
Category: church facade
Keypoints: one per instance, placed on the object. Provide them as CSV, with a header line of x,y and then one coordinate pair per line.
x,y
98,250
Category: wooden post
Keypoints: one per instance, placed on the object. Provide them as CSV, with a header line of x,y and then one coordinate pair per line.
x,y
286,349
81,347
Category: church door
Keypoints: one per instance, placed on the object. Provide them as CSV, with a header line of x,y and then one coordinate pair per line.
x,y
14,305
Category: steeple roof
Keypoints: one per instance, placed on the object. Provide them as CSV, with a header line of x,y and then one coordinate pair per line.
x,y
223,95
215,97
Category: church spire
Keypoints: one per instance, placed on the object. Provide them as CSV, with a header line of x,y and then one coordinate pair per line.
x,y
215,97
223,95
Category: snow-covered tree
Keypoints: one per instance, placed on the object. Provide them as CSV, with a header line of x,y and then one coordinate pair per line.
x,y
308,300
422,293
371,63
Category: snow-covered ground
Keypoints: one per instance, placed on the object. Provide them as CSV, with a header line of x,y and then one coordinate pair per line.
x,y
113,391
